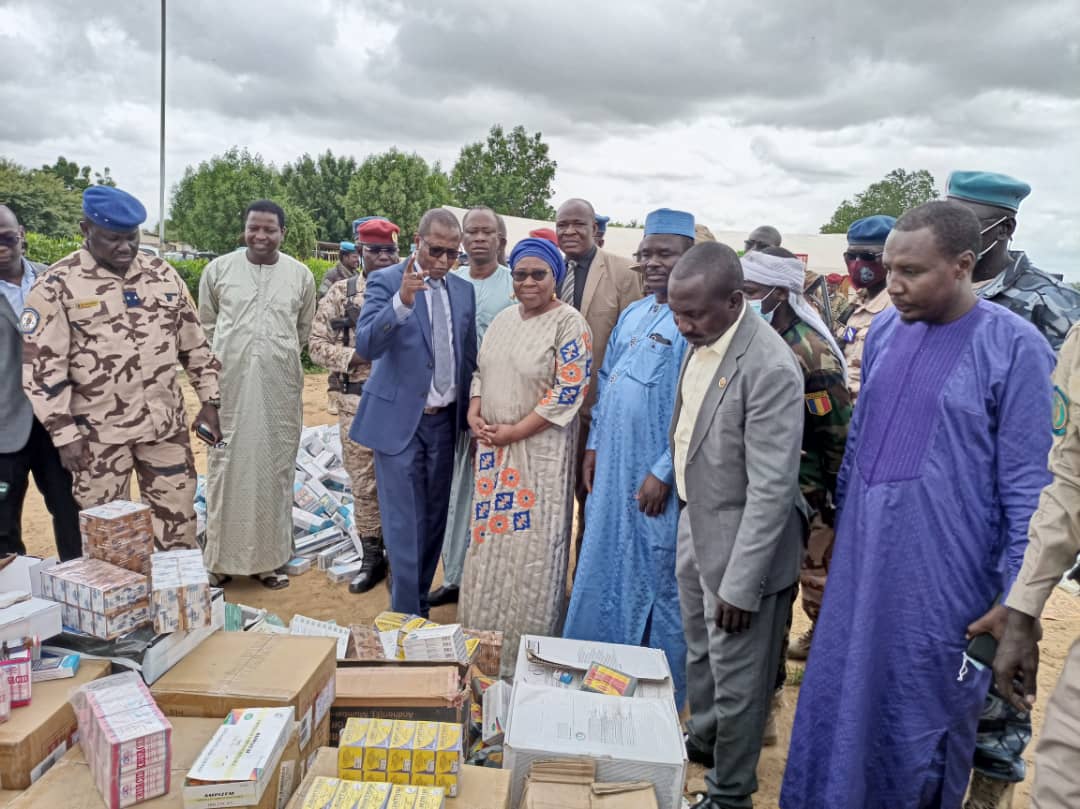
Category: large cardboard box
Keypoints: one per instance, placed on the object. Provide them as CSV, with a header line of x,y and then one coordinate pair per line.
x,y
478,787
252,670
70,783
39,734
572,785
631,739
417,693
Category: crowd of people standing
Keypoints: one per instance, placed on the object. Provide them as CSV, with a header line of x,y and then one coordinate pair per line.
x,y
722,439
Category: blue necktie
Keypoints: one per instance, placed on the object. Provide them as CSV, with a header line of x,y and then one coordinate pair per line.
x,y
440,338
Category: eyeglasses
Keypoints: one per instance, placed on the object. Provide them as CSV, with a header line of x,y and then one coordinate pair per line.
x,y
10,239
754,244
389,249
861,255
519,276
439,252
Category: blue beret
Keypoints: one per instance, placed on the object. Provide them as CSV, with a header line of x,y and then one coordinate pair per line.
x,y
347,247
988,188
871,230
665,220
601,222
112,208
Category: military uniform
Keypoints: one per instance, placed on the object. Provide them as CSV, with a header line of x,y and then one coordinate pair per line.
x,y
1047,303
851,330
331,345
828,406
1054,541
339,272
99,362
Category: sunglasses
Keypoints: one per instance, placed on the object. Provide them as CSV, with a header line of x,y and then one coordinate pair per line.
x,y
754,244
439,252
10,239
861,255
519,276
389,249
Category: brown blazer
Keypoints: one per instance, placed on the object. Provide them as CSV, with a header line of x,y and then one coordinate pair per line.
x,y
610,287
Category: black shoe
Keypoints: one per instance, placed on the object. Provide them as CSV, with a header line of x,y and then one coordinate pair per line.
x,y
447,594
373,568
697,755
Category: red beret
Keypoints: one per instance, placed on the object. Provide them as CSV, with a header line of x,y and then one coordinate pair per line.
x,y
834,278
377,231
544,233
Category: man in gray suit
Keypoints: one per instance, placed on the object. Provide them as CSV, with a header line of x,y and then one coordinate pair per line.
x,y
736,437
25,446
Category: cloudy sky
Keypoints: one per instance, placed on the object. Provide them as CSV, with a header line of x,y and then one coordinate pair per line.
x,y
743,112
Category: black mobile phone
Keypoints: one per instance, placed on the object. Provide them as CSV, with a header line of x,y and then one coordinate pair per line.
x,y
982,649
203,431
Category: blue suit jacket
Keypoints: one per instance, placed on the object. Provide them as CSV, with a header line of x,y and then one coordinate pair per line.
x,y
403,362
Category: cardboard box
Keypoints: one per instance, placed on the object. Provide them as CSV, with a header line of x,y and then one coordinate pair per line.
x,y
120,532
39,734
496,711
35,616
252,670
571,785
95,586
632,739
479,787
562,663
180,591
24,573
72,776
237,764
165,651
417,693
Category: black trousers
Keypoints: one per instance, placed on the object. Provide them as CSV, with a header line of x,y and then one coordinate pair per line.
x,y
41,458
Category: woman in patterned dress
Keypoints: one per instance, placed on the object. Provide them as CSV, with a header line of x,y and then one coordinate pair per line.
x,y
532,377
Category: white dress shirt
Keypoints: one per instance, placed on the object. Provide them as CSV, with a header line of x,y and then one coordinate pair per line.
x,y
403,312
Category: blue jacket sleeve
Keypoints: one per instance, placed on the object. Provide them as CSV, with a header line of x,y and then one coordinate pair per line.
x,y
1026,390
377,323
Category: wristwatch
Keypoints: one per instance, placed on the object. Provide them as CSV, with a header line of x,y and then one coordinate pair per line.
x,y
214,402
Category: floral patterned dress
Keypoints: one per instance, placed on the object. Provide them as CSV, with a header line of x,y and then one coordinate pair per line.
x,y
523,503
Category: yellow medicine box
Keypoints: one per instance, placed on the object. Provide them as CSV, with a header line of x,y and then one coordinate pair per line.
x,y
449,782
351,744
322,792
424,746
448,754
400,752
377,745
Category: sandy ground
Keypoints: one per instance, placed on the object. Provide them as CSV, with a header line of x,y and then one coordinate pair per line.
x,y
313,595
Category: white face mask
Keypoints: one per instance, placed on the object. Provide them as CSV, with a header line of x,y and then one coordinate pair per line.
x,y
993,244
755,305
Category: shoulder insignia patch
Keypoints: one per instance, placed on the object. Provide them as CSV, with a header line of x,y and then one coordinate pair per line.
x,y
29,320
818,403
850,334
1061,411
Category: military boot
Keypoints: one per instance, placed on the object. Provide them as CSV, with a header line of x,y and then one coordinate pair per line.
x,y
372,567
989,793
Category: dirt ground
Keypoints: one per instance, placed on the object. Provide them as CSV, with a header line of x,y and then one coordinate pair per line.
x,y
313,595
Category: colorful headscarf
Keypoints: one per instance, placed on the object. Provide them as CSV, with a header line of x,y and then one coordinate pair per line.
x,y
543,250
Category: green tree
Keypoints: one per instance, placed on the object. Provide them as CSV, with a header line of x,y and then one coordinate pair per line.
x,y
510,173
320,184
76,177
398,186
896,193
40,200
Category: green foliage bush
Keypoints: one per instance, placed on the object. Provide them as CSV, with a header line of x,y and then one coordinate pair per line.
x,y
50,249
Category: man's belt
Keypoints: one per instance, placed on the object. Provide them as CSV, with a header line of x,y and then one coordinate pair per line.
x,y
352,388
431,411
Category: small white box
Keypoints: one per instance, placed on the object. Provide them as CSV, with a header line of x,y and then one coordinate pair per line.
x,y
496,710
35,616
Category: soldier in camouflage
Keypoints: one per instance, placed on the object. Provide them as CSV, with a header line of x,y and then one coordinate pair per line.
x,y
1008,277
347,267
331,344
104,329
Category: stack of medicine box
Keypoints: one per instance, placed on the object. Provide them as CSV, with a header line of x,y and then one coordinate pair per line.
x,y
401,752
98,598
125,738
333,793
120,532
179,591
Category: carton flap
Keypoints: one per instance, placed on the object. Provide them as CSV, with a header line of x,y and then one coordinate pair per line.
x,y
392,686
640,662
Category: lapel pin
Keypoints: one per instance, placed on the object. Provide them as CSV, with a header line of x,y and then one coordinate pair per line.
x,y
722,382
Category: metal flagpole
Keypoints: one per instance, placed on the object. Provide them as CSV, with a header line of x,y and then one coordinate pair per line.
x,y
161,139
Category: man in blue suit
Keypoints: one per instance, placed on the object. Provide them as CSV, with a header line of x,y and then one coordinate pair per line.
x,y
418,328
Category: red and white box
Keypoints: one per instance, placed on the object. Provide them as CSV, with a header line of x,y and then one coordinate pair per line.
x,y
126,739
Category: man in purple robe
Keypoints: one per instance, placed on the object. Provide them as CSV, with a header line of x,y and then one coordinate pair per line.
x,y
945,459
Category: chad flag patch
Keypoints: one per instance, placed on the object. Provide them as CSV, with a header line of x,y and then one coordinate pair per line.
x,y
818,403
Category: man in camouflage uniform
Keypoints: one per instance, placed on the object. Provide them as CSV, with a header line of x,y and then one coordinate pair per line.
x,y
1010,279
104,330
1007,276
332,345
828,406
866,243
346,267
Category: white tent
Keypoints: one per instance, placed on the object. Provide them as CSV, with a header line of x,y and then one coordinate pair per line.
x,y
824,252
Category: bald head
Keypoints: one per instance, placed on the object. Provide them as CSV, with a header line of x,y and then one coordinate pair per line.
x,y
575,228
762,237
8,219
705,292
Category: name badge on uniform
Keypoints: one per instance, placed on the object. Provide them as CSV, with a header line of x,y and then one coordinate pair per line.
x,y
849,334
131,298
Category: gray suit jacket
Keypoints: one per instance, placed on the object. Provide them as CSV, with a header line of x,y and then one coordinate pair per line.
x,y
747,515
18,415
